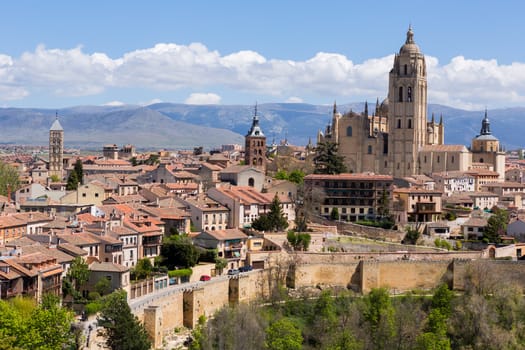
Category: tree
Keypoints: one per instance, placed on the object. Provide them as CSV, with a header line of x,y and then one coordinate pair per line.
x,y
143,269
54,178
296,176
327,160
383,209
276,216
412,235
78,168
122,329
72,181
9,179
379,318
496,225
334,214
76,277
25,325
179,251
299,241
220,264
284,335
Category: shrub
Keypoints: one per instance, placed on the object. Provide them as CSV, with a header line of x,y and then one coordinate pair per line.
x,y
93,307
180,273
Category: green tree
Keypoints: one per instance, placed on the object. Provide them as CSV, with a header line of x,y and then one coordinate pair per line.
x,y
383,209
276,215
143,269
334,214
327,160
25,325
9,179
55,178
296,176
79,169
412,235
284,335
281,175
496,225
122,329
379,317
179,251
76,277
299,241
72,181
262,223
220,264
103,286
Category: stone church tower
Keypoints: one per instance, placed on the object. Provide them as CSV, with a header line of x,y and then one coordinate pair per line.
x,y
407,110
255,145
56,149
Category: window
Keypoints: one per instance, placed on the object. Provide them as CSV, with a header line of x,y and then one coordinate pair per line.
x,y
251,182
409,123
349,131
369,149
438,159
452,159
406,69
425,159
400,94
409,94
83,195
96,195
399,123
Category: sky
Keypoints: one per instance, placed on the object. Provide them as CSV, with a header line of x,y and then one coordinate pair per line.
x,y
56,54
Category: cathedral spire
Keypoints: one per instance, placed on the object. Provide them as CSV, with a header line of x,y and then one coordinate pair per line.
x,y
410,35
441,119
377,106
366,108
433,120
335,107
485,125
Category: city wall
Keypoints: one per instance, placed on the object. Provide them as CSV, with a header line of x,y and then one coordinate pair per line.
x,y
183,308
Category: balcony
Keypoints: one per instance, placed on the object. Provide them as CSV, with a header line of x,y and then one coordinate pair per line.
x,y
425,208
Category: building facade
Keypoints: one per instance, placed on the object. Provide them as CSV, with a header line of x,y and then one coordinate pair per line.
x,y
56,149
397,139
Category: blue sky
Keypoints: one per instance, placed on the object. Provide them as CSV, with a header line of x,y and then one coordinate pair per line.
x,y
56,54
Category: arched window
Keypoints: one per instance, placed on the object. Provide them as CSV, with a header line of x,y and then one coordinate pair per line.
x,y
438,159
369,149
254,161
251,182
399,123
409,94
349,131
400,94
406,69
259,162
409,123
452,160
481,160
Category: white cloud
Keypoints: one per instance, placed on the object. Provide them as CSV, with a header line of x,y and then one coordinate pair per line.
x,y
203,99
462,82
294,99
114,104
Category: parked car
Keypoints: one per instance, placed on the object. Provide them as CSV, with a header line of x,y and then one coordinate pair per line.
x,y
205,278
233,272
245,268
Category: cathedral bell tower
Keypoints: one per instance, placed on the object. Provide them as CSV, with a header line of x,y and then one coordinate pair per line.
x,y
255,145
407,112
56,149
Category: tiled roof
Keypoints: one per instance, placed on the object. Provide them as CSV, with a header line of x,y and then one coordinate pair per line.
x,y
222,235
107,267
443,148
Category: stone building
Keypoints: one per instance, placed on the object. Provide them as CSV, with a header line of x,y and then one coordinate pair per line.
x,y
255,145
56,149
398,139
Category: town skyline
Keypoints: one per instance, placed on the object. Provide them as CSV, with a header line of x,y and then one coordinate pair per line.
x,y
109,54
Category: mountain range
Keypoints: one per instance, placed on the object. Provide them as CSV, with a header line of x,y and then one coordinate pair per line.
x,y
181,126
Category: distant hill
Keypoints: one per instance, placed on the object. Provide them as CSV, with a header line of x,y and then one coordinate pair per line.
x,y
180,126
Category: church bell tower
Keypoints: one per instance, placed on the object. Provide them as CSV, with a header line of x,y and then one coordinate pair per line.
x,y
56,149
407,112
255,145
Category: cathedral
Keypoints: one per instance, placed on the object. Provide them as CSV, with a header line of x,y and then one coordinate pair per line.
x,y
398,139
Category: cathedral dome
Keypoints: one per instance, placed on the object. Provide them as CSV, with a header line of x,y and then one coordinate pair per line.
x,y
410,45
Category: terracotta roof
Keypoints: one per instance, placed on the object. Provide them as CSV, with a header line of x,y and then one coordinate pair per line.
x,y
416,190
72,249
476,222
107,267
238,168
227,234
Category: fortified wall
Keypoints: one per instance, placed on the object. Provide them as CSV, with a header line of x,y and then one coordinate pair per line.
x,y
168,310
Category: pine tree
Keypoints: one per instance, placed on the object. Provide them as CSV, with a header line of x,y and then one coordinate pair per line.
x,y
79,170
123,330
72,181
276,216
327,160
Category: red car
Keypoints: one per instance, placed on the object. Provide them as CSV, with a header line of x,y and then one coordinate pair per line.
x,y
205,278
